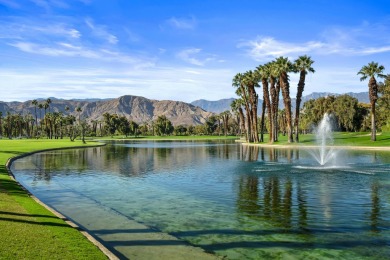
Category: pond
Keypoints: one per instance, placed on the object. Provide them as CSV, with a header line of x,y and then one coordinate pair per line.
x,y
236,201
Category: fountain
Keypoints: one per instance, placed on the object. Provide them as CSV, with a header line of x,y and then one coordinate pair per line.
x,y
325,154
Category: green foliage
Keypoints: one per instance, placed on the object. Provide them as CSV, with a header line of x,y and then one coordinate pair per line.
x,y
163,126
180,130
211,125
349,114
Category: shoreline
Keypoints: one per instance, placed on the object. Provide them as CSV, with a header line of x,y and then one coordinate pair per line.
x,y
295,146
110,255
182,249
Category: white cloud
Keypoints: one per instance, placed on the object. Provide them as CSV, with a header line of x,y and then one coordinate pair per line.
x,y
187,56
101,32
195,57
25,29
63,49
266,48
182,23
353,41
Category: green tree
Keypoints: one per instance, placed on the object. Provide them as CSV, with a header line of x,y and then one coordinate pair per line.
x,y
236,107
284,67
110,123
251,80
302,65
134,128
264,72
384,104
123,126
243,93
372,70
163,126
180,130
225,116
35,103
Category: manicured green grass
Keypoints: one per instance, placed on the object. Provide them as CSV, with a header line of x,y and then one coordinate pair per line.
x,y
27,229
342,139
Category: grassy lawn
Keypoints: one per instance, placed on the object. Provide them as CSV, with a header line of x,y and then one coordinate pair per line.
x,y
28,230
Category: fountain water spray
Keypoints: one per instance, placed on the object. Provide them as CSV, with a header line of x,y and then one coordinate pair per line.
x,y
324,138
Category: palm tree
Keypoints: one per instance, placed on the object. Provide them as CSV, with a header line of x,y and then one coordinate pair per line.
x,y
238,82
371,70
284,66
251,80
303,66
48,102
264,74
35,103
275,92
40,107
82,126
236,106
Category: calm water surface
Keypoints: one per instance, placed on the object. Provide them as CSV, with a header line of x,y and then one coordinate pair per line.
x,y
236,201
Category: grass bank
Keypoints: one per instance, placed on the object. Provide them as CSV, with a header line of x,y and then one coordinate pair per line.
x,y
172,138
362,139
27,229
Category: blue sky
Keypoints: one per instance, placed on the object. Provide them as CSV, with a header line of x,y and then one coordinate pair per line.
x,y
182,50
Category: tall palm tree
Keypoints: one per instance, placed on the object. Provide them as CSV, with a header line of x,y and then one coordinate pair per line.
x,y
370,71
303,66
285,66
236,107
40,107
251,80
242,92
35,103
82,127
48,102
264,74
275,92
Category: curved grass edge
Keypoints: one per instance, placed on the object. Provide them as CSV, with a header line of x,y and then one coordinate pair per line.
x,y
341,140
93,240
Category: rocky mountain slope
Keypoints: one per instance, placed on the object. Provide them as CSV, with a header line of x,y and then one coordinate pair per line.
x,y
138,109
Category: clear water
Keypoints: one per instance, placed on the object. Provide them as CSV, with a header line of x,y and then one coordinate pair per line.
x,y
236,201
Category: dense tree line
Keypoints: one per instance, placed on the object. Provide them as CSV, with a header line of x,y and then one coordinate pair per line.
x,y
273,77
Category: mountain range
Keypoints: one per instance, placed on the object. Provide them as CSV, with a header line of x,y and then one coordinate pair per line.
x,y
135,108
143,110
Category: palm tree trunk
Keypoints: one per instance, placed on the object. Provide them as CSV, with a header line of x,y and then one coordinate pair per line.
x,y
373,125
373,93
287,105
254,118
262,122
268,106
248,126
242,120
276,112
301,85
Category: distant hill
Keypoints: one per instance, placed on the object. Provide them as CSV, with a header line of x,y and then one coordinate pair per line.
x,y
221,105
138,109
214,106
